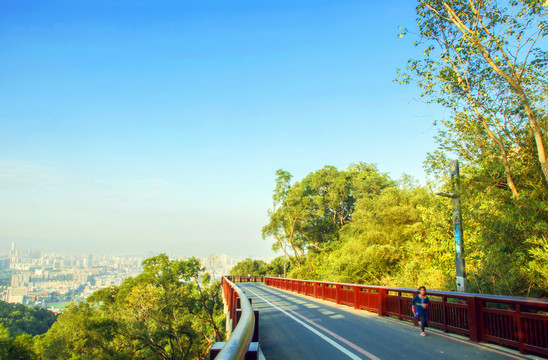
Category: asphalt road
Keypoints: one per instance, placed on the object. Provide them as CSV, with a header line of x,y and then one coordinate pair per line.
x,y
297,327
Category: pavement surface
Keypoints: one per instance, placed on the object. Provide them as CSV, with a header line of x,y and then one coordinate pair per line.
x,y
297,327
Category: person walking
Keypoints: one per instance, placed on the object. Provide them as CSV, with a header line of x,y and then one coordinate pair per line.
x,y
420,305
248,277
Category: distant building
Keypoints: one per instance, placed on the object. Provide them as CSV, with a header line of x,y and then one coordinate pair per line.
x,y
17,295
14,254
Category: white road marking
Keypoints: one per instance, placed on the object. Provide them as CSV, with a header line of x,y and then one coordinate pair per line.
x,y
333,343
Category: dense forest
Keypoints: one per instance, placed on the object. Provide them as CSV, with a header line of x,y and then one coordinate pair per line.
x,y
17,319
359,226
484,63
169,311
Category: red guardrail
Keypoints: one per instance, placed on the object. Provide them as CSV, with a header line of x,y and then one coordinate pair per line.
x,y
520,323
244,278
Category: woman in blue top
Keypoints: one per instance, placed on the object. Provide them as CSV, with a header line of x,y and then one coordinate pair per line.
x,y
420,308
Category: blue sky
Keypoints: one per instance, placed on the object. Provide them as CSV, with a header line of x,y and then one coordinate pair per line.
x,y
137,126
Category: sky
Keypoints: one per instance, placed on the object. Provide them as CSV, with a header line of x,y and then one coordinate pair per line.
x,y
131,127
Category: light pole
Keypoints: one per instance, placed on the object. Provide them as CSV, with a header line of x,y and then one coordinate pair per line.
x,y
457,223
285,256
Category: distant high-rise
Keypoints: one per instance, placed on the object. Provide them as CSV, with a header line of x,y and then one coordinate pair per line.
x,y
14,254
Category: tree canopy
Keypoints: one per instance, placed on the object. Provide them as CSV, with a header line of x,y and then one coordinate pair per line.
x,y
261,268
307,215
17,319
399,233
170,311
485,62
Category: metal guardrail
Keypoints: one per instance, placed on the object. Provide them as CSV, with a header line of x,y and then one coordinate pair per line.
x,y
237,346
520,323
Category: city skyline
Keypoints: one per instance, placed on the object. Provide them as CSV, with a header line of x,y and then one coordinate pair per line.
x,y
51,280
132,128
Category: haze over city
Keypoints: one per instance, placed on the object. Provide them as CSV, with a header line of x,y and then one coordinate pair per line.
x,y
135,127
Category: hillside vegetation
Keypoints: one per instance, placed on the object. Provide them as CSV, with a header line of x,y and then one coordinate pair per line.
x,y
359,226
166,312
484,62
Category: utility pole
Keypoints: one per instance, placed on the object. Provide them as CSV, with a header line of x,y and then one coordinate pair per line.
x,y
285,256
457,224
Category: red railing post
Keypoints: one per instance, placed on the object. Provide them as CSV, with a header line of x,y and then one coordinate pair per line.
x,y
399,306
356,297
474,318
337,294
233,310
519,326
383,296
444,313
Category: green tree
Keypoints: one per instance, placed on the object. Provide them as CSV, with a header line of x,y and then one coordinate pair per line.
x,y
276,266
308,214
399,238
482,61
286,217
401,234
163,313
19,318
261,268
250,266
15,348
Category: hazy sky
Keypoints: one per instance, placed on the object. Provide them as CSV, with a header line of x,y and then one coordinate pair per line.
x,y
136,126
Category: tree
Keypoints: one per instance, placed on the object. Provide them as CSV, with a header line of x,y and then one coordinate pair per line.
x,y
400,237
397,233
276,266
308,214
19,318
261,268
483,62
15,348
285,218
163,313
250,266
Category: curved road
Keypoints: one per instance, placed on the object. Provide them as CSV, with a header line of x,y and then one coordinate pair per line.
x,y
297,327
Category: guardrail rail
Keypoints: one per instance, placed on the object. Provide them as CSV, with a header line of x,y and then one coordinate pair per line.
x,y
243,321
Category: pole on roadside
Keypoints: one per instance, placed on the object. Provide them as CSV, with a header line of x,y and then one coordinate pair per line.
x,y
457,225
285,256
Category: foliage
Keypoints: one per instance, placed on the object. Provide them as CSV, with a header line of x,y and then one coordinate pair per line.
x,y
277,265
308,215
17,318
259,267
163,313
482,60
15,348
250,266
402,235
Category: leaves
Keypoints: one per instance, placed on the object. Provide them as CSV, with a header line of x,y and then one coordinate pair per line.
x,y
482,61
308,214
163,313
